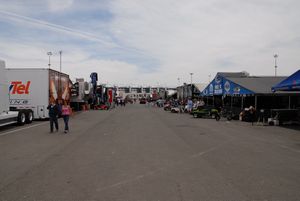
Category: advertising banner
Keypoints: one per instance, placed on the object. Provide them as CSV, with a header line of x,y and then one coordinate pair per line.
x,y
59,86
223,86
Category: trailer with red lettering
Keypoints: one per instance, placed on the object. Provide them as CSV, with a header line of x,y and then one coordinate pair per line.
x,y
29,91
6,115
33,88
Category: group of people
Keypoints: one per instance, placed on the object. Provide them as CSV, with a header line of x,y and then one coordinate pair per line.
x,y
56,110
120,102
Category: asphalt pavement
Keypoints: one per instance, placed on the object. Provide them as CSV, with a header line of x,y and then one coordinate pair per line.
x,y
141,153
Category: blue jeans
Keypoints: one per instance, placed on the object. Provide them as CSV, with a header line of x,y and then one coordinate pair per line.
x,y
53,119
66,120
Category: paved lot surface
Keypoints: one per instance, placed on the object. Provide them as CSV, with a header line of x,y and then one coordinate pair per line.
x,y
139,153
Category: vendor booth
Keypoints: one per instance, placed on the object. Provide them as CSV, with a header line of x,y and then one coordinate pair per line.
x,y
242,89
236,91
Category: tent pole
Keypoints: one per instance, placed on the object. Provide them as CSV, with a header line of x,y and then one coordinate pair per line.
x,y
255,102
223,101
231,103
242,106
289,102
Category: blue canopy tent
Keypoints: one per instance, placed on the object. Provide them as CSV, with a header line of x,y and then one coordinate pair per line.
x,y
223,86
247,89
291,83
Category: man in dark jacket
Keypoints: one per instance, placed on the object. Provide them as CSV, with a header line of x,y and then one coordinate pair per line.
x,y
53,113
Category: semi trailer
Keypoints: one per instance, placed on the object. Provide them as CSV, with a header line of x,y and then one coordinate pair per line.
x,y
26,93
7,116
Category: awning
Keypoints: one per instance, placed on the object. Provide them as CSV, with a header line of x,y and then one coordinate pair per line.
x,y
292,83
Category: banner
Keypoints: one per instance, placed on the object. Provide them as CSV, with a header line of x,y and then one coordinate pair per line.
x,y
110,96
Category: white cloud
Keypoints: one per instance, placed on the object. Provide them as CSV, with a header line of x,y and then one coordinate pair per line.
x,y
75,62
59,5
27,21
109,71
196,36
171,38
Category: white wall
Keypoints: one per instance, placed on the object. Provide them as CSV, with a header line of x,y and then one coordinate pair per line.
x,y
4,100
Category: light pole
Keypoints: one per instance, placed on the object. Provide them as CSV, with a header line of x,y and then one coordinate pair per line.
x,y
49,54
275,57
60,54
192,85
60,87
191,77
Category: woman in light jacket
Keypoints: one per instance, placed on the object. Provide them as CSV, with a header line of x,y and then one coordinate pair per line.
x,y
66,111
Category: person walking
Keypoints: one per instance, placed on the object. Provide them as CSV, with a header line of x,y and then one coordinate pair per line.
x,y
53,113
66,111
190,105
252,112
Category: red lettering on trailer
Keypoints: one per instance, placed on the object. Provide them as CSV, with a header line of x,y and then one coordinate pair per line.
x,y
17,87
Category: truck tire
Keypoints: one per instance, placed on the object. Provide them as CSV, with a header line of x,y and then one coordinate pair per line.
x,y
28,116
21,118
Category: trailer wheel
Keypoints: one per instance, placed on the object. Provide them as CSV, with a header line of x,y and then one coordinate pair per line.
x,y
29,117
21,118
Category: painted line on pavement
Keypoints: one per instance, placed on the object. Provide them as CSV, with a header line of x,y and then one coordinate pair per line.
x,y
20,129
151,173
289,148
121,183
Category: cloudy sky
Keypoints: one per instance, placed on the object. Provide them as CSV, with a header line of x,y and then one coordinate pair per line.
x,y
152,42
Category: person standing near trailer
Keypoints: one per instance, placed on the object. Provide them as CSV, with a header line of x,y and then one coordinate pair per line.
x,y
190,105
252,112
53,113
66,111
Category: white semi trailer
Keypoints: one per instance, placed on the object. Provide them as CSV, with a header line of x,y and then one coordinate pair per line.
x,y
6,115
26,93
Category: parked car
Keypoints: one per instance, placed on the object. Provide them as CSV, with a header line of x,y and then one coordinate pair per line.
x,y
101,107
167,107
143,101
175,109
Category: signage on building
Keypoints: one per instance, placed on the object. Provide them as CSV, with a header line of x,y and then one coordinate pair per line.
x,y
227,86
222,86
